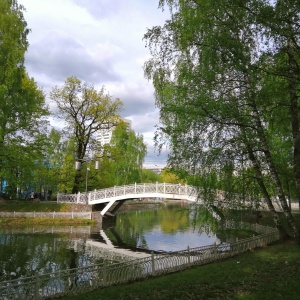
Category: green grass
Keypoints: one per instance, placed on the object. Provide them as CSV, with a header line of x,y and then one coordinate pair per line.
x,y
268,273
43,221
30,206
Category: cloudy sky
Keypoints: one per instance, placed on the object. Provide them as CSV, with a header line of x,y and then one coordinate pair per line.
x,y
100,42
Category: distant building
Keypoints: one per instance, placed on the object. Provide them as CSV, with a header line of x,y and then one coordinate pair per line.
x,y
155,169
104,135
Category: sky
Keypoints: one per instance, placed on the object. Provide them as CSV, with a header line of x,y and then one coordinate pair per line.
x,y
101,43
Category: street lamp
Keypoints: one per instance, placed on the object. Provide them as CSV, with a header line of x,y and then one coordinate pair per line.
x,y
86,179
78,163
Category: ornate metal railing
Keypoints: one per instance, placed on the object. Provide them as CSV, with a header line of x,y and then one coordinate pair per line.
x,y
132,190
81,280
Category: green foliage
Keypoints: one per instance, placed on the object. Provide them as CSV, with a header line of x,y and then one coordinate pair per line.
x,y
170,177
227,85
127,153
149,176
86,111
22,103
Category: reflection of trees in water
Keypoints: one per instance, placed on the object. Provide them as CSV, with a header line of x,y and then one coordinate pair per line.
x,y
133,225
203,220
206,221
73,265
26,254
22,254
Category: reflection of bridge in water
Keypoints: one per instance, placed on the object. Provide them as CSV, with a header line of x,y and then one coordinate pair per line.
x,y
118,194
85,239
108,250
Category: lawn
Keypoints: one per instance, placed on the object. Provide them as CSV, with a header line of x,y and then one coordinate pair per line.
x,y
29,206
271,272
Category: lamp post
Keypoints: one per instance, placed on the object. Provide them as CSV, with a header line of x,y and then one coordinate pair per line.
x,y
78,163
86,179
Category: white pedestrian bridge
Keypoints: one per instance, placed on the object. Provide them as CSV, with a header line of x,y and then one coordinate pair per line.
x,y
111,196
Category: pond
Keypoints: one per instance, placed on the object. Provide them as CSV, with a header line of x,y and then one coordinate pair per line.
x,y
134,234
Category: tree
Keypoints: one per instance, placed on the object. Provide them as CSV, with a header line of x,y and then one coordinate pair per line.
x,y
149,176
22,103
85,111
210,67
169,177
128,151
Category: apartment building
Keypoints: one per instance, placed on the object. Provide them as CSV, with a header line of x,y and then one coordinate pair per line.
x,y
104,135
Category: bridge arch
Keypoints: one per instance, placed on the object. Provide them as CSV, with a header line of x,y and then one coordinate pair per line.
x,y
109,196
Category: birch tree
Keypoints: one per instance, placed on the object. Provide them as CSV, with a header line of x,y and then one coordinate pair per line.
x,y
210,67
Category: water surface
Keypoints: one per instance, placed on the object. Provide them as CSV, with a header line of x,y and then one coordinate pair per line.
x,y
134,234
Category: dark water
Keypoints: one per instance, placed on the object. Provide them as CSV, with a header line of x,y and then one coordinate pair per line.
x,y
25,251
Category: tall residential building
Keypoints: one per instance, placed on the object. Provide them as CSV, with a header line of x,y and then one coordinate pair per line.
x,y
104,135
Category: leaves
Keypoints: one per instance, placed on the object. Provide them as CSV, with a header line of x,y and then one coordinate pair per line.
x,y
22,103
86,111
226,84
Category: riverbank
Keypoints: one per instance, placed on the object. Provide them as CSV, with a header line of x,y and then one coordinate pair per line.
x,y
41,206
44,221
260,217
38,207
51,206
270,272
27,206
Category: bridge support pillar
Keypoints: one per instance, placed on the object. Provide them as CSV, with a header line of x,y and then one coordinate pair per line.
x,y
96,215
120,203
107,207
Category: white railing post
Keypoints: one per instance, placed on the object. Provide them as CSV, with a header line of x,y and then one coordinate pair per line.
x,y
153,264
114,191
144,189
164,187
124,189
156,187
135,187
78,197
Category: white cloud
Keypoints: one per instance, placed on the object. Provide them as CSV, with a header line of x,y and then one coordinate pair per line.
x,y
100,42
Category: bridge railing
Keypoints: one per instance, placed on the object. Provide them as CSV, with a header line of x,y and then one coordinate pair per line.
x,y
132,189
81,198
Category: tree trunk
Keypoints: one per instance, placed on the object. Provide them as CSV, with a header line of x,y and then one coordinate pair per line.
x,y
77,180
273,171
294,111
260,181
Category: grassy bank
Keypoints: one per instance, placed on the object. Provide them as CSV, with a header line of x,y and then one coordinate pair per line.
x,y
31,206
43,221
272,272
